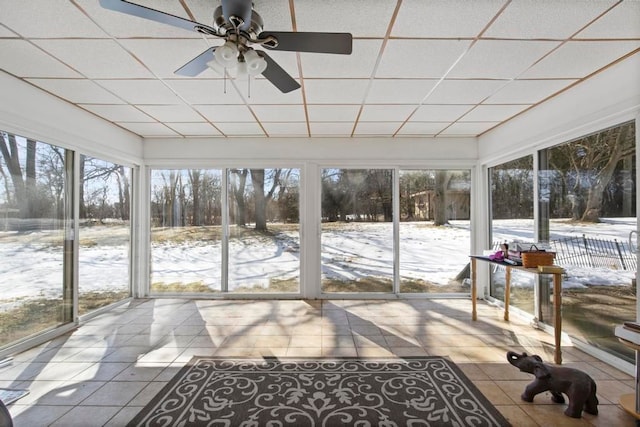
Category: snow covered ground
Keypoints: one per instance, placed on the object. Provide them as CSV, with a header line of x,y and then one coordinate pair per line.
x,y
32,267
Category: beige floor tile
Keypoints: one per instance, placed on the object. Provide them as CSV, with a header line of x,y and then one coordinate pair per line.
x,y
304,352
312,341
409,351
493,393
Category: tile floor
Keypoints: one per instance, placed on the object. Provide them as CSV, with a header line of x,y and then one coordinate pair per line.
x,y
106,370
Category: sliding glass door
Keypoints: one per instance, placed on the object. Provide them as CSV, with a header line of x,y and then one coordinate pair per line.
x,y
104,233
357,230
186,230
35,237
240,238
435,235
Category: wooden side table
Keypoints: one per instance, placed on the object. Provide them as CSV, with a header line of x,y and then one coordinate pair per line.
x,y
631,402
557,297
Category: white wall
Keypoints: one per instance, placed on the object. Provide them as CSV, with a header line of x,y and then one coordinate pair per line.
x,y
30,112
368,150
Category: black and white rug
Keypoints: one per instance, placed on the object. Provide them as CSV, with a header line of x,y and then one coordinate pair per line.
x,y
426,391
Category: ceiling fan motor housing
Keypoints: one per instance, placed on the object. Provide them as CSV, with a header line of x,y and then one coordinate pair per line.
x,y
249,30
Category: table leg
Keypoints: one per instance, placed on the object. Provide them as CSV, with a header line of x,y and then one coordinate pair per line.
x,y
507,292
474,290
557,318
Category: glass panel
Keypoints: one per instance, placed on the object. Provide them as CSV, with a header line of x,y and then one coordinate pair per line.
x,y
186,249
105,233
592,205
434,230
357,230
264,230
511,186
32,238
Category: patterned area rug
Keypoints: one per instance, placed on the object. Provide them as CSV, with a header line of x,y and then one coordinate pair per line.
x,y
426,391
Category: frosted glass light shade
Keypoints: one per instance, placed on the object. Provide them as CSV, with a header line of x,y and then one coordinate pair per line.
x,y
227,55
255,63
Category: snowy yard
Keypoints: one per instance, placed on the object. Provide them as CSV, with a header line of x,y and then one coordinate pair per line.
x,y
32,264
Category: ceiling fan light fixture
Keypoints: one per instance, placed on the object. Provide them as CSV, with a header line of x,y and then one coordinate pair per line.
x,y
241,70
227,54
216,67
254,62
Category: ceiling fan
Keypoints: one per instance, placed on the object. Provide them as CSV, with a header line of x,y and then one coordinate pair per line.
x,y
240,26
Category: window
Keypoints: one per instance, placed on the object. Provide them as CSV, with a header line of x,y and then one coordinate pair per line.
x,y
357,230
186,230
104,233
434,231
36,246
512,219
588,194
241,239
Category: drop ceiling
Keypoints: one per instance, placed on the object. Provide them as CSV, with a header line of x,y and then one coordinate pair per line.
x,y
419,68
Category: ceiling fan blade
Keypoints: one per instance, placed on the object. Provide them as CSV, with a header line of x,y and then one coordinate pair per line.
x,y
197,65
153,15
311,42
277,75
240,9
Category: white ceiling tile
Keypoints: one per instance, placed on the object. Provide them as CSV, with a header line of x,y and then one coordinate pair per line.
x,y
335,91
444,18
623,21
5,32
420,58
463,91
493,113
77,91
377,128
141,91
172,113
275,14
225,113
359,64
332,129
388,112
333,113
119,113
579,59
422,128
279,113
240,129
194,129
120,24
536,19
502,59
206,91
286,129
23,59
468,128
527,91
95,58
440,113
362,18
37,18
164,57
408,91
148,129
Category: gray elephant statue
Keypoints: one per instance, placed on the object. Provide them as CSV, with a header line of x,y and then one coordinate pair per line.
x,y
579,387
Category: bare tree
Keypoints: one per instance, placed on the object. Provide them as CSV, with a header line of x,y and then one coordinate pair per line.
x,y
260,198
439,198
